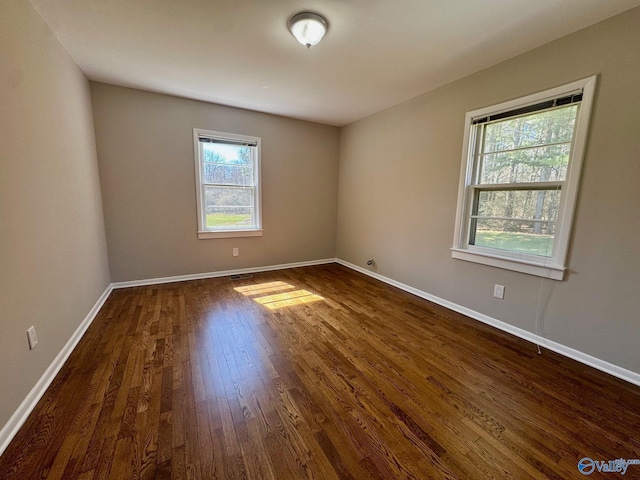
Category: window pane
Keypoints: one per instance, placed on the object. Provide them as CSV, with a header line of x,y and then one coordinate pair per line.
x,y
227,197
540,128
228,183
224,217
537,164
514,236
530,148
228,174
525,204
226,154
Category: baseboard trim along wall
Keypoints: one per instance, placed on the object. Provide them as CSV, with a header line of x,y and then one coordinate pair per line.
x,y
28,404
20,416
10,429
222,273
611,369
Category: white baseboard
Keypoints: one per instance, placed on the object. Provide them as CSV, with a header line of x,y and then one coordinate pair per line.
x,y
222,273
20,416
10,429
611,369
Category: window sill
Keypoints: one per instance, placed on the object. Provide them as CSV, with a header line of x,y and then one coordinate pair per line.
x,y
229,234
532,268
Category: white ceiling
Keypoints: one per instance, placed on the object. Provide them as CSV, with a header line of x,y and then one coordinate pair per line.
x,y
376,54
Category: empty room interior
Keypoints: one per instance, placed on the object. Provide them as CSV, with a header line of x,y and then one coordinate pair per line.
x,y
328,240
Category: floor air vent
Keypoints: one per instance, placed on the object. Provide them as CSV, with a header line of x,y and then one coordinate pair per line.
x,y
241,276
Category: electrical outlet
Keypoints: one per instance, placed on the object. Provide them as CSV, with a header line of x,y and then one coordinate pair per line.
x,y
235,251
33,338
498,291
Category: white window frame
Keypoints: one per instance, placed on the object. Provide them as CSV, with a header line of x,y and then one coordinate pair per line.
x,y
203,232
555,266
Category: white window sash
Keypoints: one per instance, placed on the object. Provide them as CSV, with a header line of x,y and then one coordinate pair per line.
x,y
254,229
550,267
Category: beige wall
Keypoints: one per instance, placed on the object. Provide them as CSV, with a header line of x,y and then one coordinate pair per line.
x,y
399,172
396,199
145,151
53,261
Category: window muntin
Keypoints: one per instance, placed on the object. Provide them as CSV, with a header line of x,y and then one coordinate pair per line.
x,y
519,180
228,180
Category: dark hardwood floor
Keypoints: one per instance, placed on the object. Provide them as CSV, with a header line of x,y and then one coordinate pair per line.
x,y
316,372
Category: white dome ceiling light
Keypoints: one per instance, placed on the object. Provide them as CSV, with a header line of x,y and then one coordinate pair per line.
x,y
308,28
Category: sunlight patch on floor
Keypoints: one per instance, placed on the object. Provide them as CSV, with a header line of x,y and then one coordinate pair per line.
x,y
278,300
263,288
288,299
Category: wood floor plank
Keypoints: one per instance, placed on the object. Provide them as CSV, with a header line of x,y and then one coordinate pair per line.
x,y
315,373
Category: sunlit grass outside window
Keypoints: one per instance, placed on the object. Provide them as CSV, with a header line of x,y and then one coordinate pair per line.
x,y
227,219
528,243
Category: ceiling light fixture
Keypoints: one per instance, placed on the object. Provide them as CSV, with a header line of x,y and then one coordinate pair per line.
x,y
308,28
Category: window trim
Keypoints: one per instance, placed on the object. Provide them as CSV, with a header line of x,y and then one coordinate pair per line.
x,y
555,266
231,232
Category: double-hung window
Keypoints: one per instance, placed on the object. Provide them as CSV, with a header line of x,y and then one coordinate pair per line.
x,y
519,180
228,184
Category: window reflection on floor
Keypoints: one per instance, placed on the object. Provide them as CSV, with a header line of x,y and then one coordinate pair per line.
x,y
263,288
274,300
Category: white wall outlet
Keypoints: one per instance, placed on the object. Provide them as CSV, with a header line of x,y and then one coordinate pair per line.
x,y
235,251
33,338
498,291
